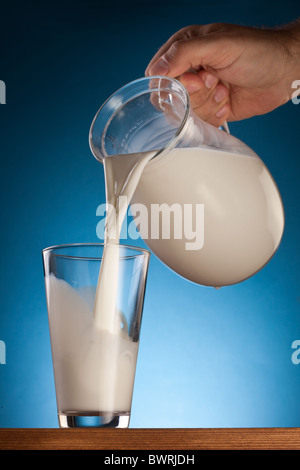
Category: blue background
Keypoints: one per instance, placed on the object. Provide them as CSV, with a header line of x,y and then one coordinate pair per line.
x,y
207,358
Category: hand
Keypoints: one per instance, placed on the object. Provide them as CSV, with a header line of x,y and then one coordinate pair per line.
x,y
232,72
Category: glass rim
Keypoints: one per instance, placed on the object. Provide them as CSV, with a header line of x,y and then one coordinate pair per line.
x,y
50,250
178,133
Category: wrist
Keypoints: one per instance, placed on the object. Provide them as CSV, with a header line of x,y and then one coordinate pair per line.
x,y
292,46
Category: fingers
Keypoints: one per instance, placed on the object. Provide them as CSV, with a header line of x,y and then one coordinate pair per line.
x,y
183,55
194,49
171,59
179,35
208,97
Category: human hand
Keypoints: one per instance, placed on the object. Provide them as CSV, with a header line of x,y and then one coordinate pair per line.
x,y
232,72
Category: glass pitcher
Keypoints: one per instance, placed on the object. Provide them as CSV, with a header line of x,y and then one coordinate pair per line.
x,y
205,203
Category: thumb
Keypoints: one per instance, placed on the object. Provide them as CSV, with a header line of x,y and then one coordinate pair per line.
x,y
184,55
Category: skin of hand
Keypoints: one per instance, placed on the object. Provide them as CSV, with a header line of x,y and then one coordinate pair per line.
x,y
232,72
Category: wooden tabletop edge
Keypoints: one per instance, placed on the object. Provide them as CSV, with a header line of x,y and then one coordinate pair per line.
x,y
150,439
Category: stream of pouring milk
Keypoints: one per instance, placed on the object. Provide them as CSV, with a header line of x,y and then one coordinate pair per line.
x,y
122,175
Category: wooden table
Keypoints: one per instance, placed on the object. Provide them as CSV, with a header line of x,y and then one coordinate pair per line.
x,y
150,439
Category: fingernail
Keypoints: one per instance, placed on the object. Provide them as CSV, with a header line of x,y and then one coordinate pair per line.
x,y
210,81
191,87
159,68
220,95
222,112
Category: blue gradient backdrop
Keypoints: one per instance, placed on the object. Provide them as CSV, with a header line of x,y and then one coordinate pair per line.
x,y
207,358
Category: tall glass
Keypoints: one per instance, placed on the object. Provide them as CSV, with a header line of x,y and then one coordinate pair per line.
x,y
94,369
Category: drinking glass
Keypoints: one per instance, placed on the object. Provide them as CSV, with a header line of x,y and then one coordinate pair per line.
x,y
94,369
